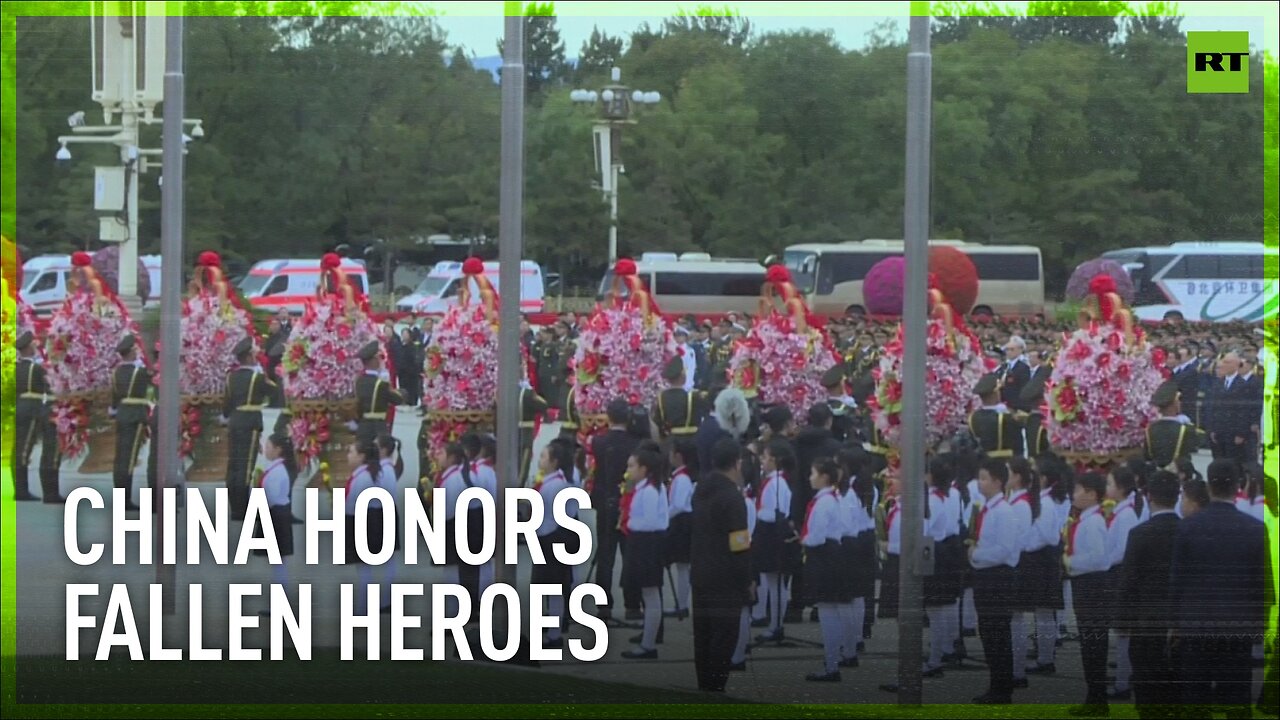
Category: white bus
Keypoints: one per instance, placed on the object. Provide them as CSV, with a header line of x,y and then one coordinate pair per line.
x,y
1210,281
1010,277
697,284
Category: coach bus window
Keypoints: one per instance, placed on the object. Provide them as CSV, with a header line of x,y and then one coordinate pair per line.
x,y
279,284
1006,266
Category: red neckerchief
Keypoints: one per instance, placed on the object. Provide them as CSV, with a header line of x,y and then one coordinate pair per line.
x,y
444,476
808,511
765,488
939,494
1024,497
1075,525
355,474
1115,512
625,504
892,515
977,526
262,481
671,488
482,462
538,485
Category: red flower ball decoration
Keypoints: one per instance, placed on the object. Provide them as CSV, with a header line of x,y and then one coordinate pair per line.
x,y
777,274
1101,284
330,261
81,258
626,267
209,258
473,266
957,277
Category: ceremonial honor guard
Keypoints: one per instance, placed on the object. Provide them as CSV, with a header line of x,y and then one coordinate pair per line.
x,y
131,408
1035,435
32,416
569,417
532,406
843,408
248,390
677,411
278,400
993,426
1170,439
374,395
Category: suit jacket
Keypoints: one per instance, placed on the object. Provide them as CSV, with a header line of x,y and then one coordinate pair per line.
x,y
1229,409
1143,596
719,557
611,451
1014,377
1219,578
1188,380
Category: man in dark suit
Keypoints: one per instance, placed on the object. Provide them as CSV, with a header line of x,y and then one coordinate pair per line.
x,y
611,451
1229,426
1037,371
1187,376
1015,372
1219,590
1251,406
720,567
1143,600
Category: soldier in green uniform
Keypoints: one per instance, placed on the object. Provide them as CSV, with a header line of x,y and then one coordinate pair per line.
x,y
374,395
569,417
843,408
131,407
1172,437
544,353
32,416
532,406
719,353
565,347
248,391
677,412
993,426
278,400
1035,434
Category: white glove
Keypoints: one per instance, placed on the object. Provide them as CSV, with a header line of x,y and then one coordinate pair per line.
x,y
385,375
111,412
352,425
222,420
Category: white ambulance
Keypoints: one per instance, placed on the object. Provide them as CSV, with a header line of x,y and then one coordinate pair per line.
x,y
439,290
44,281
289,284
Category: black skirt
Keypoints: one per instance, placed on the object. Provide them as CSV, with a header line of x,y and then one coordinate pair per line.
x,y
552,571
475,536
282,525
767,546
943,587
642,564
822,577
1040,576
679,539
889,587
373,533
848,566
865,565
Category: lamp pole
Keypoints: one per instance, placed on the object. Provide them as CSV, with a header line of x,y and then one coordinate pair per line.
x,y
615,104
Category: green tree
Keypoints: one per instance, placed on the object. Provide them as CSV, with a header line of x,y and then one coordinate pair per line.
x,y
599,53
545,64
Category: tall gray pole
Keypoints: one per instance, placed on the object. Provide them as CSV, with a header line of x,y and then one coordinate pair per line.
x,y
169,470
510,249
916,235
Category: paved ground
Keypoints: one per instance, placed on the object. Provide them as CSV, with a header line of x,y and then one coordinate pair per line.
x,y
774,674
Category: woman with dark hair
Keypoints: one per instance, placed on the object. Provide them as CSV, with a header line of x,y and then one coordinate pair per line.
x,y
645,519
1122,488
858,548
392,466
480,453
556,466
1055,505
820,535
684,458
942,588
454,478
1024,499
773,532
367,467
276,480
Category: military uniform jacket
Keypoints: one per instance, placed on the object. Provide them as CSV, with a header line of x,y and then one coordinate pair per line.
x,y
569,417
677,412
1168,441
248,391
374,396
531,406
999,433
32,386
1037,435
130,388
843,415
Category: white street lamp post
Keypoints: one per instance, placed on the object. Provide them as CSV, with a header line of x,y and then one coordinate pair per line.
x,y
615,104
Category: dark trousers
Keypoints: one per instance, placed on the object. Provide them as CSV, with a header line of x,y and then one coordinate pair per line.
x,y
240,461
1090,596
1215,671
50,460
1226,448
608,542
716,615
990,590
409,387
130,434
29,430
1155,693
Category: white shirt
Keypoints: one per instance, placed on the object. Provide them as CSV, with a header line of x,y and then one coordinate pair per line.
x,y
275,481
690,365
1123,519
551,486
1230,379
1258,508
774,501
1244,505
648,509
1046,530
893,528
975,501
1022,521
942,522
822,522
453,485
680,493
484,476
955,508
751,513
387,478
359,481
1088,551
997,543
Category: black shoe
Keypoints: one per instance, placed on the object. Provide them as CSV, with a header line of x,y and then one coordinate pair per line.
x,y
823,677
54,500
776,636
955,658
24,496
738,667
131,507
678,613
1090,710
862,646
1020,684
931,672
813,615
992,699
1125,694
638,638
890,688
849,662
634,615
968,633
762,622
866,634
641,654
1046,669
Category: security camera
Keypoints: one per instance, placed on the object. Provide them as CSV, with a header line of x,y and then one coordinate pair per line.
x,y
197,132
76,119
63,154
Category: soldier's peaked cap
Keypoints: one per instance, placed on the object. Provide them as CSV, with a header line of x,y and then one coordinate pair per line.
x,y
986,385
674,369
370,351
126,344
244,347
833,378
1165,394
24,341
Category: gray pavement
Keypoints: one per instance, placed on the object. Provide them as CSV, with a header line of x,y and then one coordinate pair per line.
x,y
774,674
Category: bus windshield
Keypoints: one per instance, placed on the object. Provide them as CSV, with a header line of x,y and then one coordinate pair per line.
x,y
803,265
253,284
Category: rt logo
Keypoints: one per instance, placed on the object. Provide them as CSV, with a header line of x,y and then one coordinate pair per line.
x,y
1217,62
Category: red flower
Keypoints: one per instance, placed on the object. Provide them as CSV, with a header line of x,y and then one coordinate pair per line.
x,y
344,331
1067,397
1104,360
